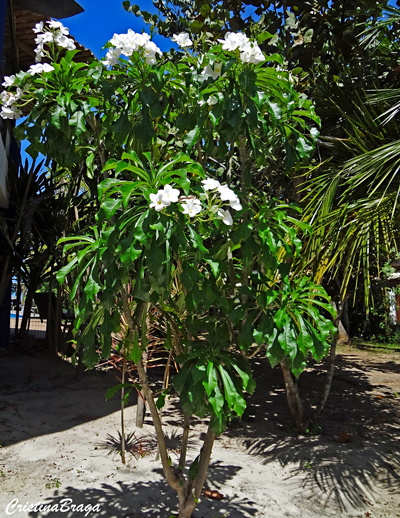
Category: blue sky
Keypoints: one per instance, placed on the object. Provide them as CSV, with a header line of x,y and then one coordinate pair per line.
x,y
102,18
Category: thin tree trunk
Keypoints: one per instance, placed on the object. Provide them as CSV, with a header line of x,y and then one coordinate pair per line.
x,y
141,404
18,305
27,309
183,486
122,412
164,387
293,397
331,368
50,313
57,320
205,455
185,440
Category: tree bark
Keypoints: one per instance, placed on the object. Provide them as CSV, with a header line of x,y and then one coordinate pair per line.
x,y
185,440
122,412
293,398
189,490
141,404
27,310
331,367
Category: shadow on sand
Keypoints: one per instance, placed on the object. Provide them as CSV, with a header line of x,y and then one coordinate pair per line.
x,y
349,473
146,499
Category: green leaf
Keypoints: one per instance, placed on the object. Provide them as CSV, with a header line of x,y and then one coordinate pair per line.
x,y
161,398
212,381
91,357
303,148
287,339
214,266
110,207
308,36
135,354
194,468
156,258
64,271
78,121
233,398
189,276
111,391
92,287
191,138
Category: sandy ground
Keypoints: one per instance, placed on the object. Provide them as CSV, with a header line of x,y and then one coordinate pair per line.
x,y
54,430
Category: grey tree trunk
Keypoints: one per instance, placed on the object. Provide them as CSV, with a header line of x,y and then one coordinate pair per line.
x,y
331,366
293,398
141,405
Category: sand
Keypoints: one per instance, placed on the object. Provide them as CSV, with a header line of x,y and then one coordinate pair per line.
x,y
54,430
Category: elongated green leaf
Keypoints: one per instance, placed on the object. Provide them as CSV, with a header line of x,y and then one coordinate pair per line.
x,y
111,391
135,354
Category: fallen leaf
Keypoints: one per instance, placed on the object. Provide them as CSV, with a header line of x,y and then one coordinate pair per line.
x,y
215,495
344,437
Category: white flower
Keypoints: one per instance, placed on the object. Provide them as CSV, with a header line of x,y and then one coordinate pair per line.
x,y
8,81
192,206
226,193
235,204
10,112
214,72
209,184
47,67
252,54
131,42
150,51
39,68
46,37
125,42
182,39
159,201
171,194
38,27
41,40
140,39
212,100
64,42
225,216
59,26
234,41
112,57
7,98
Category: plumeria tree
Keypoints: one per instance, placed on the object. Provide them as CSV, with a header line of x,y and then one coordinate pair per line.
x,y
181,149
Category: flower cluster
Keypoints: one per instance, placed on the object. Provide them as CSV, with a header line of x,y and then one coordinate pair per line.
x,y
129,43
250,52
192,205
164,198
8,100
226,194
55,33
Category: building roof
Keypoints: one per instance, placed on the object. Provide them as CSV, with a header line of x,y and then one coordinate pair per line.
x,y
19,44
50,8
